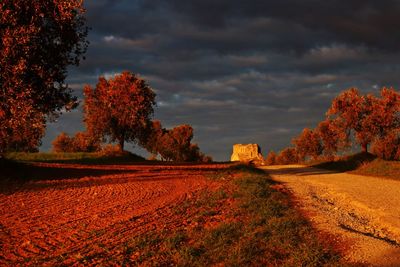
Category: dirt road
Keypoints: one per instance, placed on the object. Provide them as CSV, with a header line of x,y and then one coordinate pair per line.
x,y
363,211
91,210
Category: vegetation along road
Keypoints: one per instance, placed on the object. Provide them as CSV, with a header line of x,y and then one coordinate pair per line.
x,y
363,211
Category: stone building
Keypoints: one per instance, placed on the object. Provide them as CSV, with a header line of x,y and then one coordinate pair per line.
x,y
246,153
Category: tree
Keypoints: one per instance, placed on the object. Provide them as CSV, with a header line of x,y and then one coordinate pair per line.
x,y
39,39
332,140
23,130
384,117
62,143
308,144
81,142
271,158
287,156
119,108
388,146
350,112
173,144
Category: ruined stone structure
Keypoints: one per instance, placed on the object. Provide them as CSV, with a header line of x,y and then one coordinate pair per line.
x,y
246,153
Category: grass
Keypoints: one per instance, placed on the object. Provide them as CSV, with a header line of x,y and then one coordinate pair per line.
x,y
364,164
78,157
347,163
261,228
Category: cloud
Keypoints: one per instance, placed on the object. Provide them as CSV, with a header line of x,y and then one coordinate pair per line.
x,y
240,71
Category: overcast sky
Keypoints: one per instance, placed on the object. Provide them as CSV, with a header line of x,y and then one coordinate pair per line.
x,y
240,71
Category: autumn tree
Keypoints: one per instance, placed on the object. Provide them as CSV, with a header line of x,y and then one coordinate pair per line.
x,y
287,156
173,144
80,142
23,130
332,139
271,158
350,113
119,108
387,147
384,117
39,39
308,144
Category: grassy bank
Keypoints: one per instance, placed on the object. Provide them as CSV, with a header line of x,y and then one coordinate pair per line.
x,y
364,164
245,222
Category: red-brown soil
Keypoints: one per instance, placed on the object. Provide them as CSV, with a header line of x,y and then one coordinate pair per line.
x,y
75,211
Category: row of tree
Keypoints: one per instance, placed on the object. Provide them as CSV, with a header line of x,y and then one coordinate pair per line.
x,y
353,119
39,40
120,110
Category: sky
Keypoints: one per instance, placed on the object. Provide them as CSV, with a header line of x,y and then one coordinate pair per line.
x,y
239,71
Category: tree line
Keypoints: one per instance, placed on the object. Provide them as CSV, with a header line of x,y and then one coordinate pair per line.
x,y
119,110
40,39
371,122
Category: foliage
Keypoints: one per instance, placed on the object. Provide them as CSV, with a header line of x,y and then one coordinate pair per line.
x,y
367,116
81,142
271,158
39,40
22,128
173,144
119,108
331,139
308,144
287,156
388,146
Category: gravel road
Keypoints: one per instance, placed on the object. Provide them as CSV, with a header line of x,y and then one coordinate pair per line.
x,y
364,212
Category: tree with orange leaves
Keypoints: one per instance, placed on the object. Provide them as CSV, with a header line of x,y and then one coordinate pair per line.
x,y
119,108
368,117
350,113
332,140
39,39
288,155
308,144
173,144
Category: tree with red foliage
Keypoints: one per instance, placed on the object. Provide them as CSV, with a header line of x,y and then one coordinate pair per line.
x,y
271,158
81,142
39,39
384,117
308,144
350,112
388,146
332,140
174,144
287,156
119,108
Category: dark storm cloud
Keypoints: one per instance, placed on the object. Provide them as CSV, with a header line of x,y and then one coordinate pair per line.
x,y
241,71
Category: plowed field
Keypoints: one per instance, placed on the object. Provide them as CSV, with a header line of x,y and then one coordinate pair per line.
x,y
75,211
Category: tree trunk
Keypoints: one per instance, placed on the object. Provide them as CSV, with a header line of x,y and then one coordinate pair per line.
x,y
364,148
121,144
